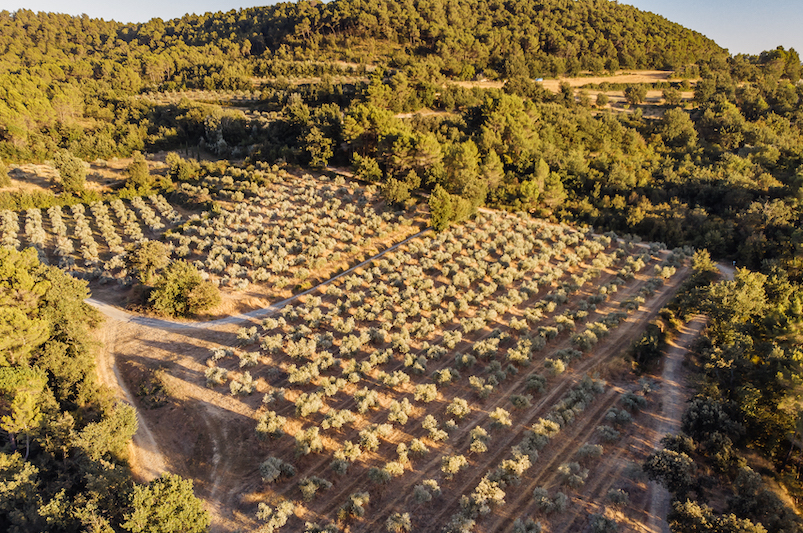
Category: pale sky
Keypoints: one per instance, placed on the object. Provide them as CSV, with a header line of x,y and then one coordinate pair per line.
x,y
741,26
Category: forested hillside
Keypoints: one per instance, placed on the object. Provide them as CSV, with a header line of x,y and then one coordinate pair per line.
x,y
63,466
58,70
435,105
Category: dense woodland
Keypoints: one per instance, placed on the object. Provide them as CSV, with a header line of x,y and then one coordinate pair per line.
x,y
722,173
66,440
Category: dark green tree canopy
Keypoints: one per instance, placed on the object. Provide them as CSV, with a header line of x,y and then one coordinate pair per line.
x,y
146,259
72,171
166,505
181,291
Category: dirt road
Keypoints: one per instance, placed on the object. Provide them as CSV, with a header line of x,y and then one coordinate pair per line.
x,y
673,392
119,315
144,450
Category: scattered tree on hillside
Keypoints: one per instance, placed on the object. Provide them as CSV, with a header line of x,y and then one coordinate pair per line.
x,y
139,176
72,171
181,291
146,259
635,94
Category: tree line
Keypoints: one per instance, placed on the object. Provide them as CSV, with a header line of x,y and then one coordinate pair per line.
x,y
63,436
746,399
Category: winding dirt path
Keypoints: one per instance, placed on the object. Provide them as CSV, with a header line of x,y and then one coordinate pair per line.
x,y
146,458
673,392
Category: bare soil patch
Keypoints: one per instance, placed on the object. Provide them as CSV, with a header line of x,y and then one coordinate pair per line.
x,y
102,176
642,76
652,106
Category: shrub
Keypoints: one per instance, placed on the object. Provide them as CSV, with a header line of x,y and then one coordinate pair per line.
x,y
244,385
430,423
400,411
216,376
309,441
460,523
378,475
573,474
520,354
274,518
521,401
451,338
510,470
339,466
607,433
487,494
270,425
560,501
354,506
459,408
445,376
479,440
366,399
421,494
554,366
311,527
536,382
180,291
587,451
417,447
618,497
497,374
527,526
633,401
478,384
308,403
310,485
247,336
394,468
501,418
398,523
618,417
273,468
465,360
426,392
585,340
426,490
549,505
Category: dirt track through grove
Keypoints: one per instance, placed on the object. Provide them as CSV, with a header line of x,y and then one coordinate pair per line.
x,y
673,391
144,450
